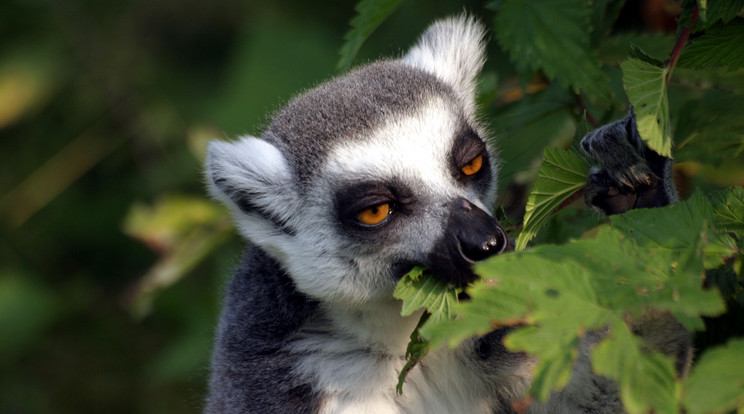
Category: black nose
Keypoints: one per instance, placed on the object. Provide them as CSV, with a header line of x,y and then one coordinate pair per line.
x,y
471,235
494,244
479,235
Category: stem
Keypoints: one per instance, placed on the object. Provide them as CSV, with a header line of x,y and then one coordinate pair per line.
x,y
575,196
681,41
589,118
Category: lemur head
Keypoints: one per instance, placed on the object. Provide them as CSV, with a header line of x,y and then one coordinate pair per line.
x,y
364,176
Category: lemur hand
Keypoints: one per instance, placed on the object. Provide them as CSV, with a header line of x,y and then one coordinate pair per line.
x,y
630,175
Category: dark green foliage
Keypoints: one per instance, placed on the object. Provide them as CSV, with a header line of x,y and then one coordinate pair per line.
x,y
539,35
720,46
370,14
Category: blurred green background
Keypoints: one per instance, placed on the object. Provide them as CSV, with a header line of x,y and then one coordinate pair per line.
x,y
105,109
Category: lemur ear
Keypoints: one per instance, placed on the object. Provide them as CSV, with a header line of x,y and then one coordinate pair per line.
x,y
249,174
454,50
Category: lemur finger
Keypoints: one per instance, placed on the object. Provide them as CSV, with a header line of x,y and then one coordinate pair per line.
x,y
601,192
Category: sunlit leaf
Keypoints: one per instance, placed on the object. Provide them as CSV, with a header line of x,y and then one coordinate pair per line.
x,y
563,292
645,85
646,380
716,382
675,227
420,289
561,174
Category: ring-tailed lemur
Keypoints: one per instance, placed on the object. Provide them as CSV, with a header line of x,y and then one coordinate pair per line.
x,y
352,184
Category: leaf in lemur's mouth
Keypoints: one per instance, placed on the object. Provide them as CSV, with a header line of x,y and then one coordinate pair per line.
x,y
420,289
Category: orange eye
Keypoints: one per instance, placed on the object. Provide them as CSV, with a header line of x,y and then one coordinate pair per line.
x,y
374,215
473,166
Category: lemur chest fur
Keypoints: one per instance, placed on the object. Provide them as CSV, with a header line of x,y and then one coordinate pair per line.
x,y
354,357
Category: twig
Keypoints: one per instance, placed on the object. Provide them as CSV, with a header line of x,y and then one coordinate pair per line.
x,y
681,41
589,117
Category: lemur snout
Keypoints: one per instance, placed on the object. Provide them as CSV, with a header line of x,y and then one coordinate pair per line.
x,y
483,236
471,235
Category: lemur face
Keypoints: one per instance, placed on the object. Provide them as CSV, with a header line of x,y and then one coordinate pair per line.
x,y
361,178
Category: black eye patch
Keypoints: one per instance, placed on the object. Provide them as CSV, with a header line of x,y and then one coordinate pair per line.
x,y
355,198
467,147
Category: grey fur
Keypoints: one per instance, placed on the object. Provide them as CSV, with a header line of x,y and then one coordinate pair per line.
x,y
251,368
348,108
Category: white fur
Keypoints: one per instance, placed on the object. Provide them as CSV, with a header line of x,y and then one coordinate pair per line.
x,y
372,339
255,165
454,50
414,148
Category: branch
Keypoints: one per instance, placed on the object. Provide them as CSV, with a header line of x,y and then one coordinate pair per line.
x,y
681,41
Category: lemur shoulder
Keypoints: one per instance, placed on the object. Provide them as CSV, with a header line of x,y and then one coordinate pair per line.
x,y
352,184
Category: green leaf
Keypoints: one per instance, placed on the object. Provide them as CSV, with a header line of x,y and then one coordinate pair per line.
x,y
716,383
710,129
645,380
676,227
720,46
604,17
420,289
370,14
561,174
563,292
645,85
558,351
728,210
540,34
618,46
417,348
718,10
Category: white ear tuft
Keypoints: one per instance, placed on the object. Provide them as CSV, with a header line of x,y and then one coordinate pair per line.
x,y
248,174
454,50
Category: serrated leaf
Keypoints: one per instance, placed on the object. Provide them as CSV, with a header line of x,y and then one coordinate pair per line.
x,y
645,85
553,371
539,35
561,174
562,292
720,46
718,10
617,47
676,227
711,129
728,210
370,14
420,289
604,17
716,383
645,380
416,349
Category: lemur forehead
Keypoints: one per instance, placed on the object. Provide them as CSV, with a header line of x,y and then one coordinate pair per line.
x,y
416,149
349,109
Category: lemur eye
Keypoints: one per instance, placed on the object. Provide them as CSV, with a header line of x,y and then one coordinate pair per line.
x,y
473,166
374,215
